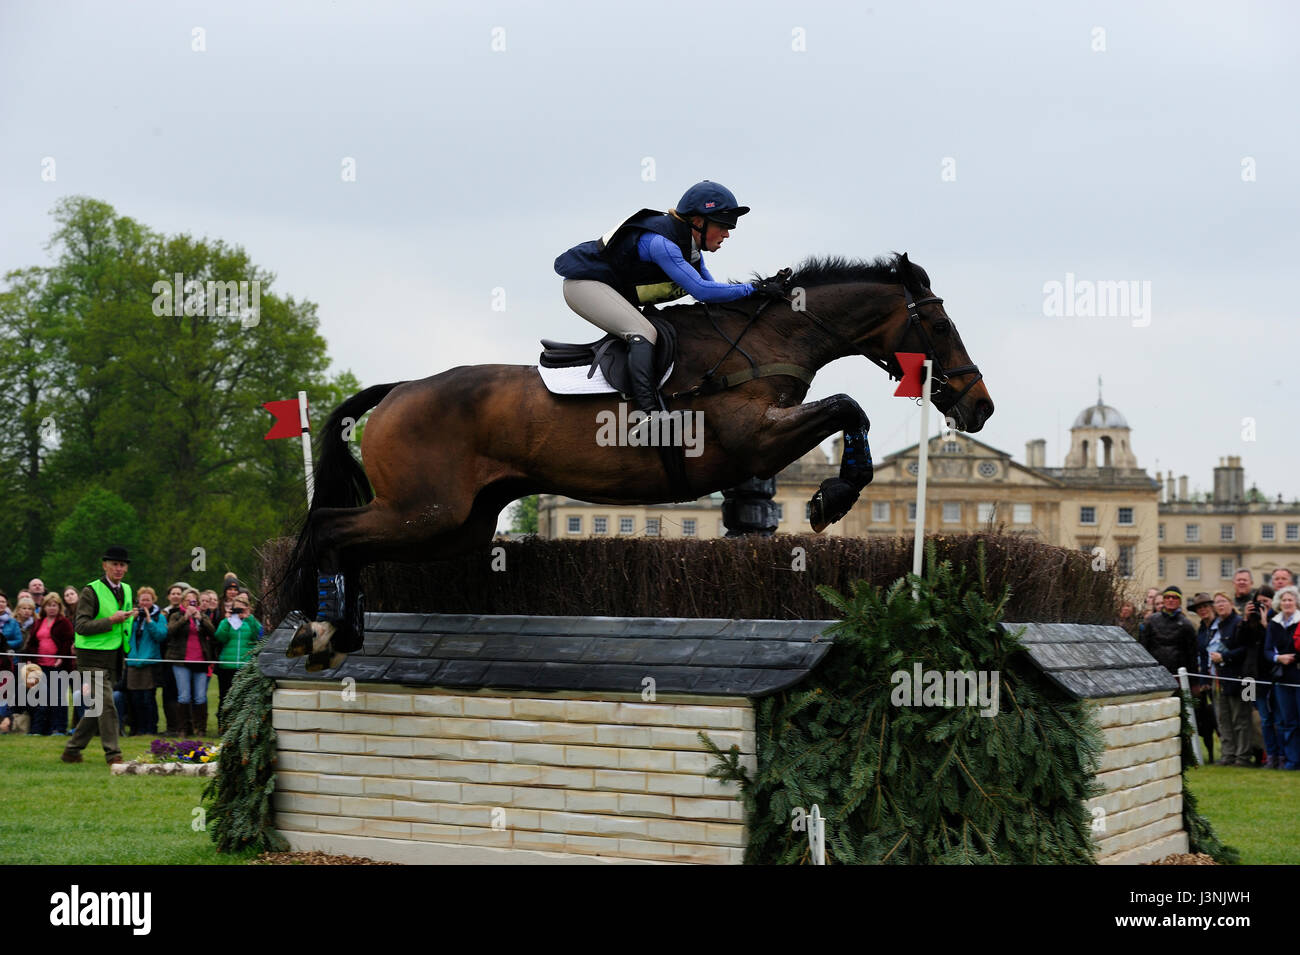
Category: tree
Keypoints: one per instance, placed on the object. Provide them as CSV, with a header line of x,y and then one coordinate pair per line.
x,y
152,380
100,519
523,515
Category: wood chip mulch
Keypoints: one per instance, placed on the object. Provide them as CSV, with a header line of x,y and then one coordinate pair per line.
x,y
312,858
1199,858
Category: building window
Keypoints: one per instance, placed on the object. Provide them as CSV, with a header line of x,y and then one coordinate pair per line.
x,y
1193,568
626,525
652,527
1227,532
1226,569
952,512
575,525
1160,531
951,447
987,469
1193,533
1022,513
1293,532
1126,516
688,527
780,513
913,468
600,525
1127,553
1268,532
880,511
807,510
911,511
985,512
1087,515
1160,568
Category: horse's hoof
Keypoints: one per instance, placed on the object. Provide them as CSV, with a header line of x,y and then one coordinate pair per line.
x,y
301,642
832,501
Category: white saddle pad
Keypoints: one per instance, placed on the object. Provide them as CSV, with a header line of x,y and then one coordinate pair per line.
x,y
574,381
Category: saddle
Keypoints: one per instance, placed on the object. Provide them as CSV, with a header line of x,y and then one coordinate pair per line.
x,y
609,356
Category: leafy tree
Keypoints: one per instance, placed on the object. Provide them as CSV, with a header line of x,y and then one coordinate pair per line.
x,y
100,519
523,515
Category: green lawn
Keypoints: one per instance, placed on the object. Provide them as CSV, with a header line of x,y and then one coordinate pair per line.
x,y
79,814
1250,810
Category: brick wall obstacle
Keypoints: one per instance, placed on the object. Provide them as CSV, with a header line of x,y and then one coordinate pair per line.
x,y
516,739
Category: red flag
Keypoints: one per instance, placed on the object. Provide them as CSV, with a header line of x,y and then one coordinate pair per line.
x,y
287,424
910,384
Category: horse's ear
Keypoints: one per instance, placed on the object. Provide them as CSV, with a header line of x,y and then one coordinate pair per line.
x,y
905,271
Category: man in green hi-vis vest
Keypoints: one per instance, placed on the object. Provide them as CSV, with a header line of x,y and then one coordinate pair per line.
x,y
103,629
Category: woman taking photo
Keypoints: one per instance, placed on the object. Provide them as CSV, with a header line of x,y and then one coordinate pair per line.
x,y
189,646
148,634
50,643
1281,648
237,635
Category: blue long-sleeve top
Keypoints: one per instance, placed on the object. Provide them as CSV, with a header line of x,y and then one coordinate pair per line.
x,y
701,286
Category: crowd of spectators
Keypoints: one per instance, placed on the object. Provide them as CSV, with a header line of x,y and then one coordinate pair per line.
x,y
173,646
1242,658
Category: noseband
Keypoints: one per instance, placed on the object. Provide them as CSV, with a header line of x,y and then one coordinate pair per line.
x,y
941,374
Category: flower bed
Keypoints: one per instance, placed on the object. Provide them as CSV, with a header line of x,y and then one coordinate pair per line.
x,y
182,758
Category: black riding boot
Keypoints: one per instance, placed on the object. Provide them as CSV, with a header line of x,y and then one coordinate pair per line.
x,y
641,370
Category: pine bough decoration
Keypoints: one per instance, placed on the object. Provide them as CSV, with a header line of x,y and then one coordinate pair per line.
x,y
241,816
921,784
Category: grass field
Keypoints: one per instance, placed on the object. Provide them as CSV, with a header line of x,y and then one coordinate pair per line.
x,y
56,813
79,814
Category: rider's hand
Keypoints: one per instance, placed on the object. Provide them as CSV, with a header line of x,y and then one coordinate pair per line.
x,y
768,288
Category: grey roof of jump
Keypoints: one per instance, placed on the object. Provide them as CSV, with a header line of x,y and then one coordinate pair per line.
x,y
1093,662
749,658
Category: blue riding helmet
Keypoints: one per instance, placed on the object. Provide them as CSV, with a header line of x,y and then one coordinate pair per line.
x,y
713,201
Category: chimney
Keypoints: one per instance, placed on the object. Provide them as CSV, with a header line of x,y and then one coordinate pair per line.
x,y
1160,487
1222,483
1170,496
1036,453
1182,487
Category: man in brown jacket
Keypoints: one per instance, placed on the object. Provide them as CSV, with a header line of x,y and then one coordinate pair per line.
x,y
103,637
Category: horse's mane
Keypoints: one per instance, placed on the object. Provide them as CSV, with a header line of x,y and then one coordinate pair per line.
x,y
829,270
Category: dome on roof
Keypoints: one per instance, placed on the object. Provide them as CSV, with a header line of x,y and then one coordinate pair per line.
x,y
1099,416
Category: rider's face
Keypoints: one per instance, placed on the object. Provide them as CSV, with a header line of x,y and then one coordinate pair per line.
x,y
713,234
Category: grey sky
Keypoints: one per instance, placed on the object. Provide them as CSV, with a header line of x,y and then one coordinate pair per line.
x,y
476,167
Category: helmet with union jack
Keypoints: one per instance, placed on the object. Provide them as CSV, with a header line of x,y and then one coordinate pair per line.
x,y
714,201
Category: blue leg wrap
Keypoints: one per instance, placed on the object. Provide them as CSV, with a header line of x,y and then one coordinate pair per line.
x,y
855,463
329,597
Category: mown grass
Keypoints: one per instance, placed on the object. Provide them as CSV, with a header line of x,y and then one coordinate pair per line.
x,y
1251,810
56,813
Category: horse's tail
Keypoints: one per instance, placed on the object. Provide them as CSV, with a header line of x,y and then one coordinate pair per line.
x,y
338,481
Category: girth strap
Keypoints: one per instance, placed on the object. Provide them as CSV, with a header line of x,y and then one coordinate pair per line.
x,y
711,385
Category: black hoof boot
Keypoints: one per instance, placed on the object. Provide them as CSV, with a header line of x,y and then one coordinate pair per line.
x,y
831,502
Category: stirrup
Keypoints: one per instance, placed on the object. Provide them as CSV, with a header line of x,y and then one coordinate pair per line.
x,y
329,597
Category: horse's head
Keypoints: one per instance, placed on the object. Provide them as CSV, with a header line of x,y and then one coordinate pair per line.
x,y
920,324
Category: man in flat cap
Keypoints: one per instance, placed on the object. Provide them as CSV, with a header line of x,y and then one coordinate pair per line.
x,y
1168,635
103,638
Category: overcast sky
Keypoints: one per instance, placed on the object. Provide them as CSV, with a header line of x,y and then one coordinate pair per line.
x,y
1002,145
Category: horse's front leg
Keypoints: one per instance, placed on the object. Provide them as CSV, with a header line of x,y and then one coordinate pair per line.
x,y
788,433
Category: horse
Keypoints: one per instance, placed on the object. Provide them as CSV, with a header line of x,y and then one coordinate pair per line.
x,y
443,455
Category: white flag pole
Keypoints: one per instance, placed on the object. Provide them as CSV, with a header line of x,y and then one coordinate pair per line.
x,y
918,547
306,443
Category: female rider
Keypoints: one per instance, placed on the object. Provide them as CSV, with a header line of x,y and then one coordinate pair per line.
x,y
654,257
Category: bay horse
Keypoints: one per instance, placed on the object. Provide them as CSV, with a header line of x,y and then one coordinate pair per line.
x,y
445,454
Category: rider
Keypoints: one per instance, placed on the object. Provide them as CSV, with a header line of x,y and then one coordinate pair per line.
x,y
654,257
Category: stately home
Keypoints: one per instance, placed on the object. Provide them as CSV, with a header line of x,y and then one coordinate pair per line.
x,y
1100,501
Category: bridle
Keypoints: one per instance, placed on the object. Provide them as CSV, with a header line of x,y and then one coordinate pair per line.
x,y
711,382
890,364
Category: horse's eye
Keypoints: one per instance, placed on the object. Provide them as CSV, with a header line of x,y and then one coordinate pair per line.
x,y
942,327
